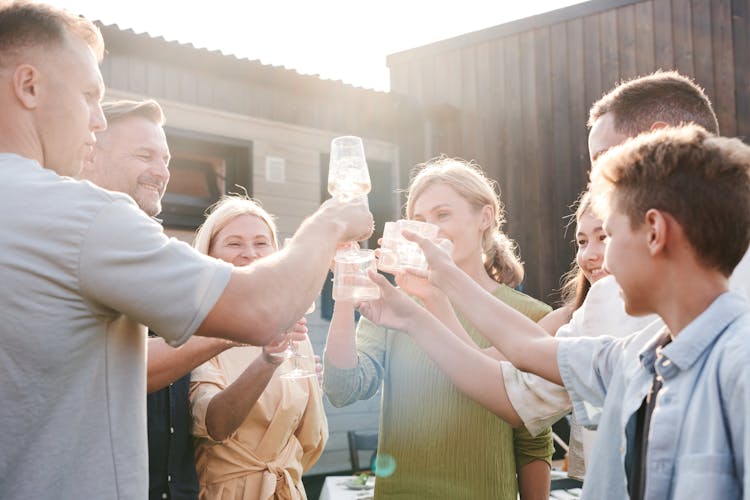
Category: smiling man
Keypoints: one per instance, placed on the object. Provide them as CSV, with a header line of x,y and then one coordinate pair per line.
x,y
132,156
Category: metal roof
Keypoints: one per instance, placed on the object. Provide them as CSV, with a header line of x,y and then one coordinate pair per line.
x,y
126,40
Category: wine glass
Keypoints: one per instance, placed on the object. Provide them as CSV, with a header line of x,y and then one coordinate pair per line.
x,y
348,176
291,353
291,349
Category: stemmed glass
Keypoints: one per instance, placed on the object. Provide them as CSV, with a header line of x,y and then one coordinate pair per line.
x,y
348,176
291,353
291,350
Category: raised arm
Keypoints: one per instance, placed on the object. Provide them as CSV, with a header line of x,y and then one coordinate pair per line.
x,y
417,285
229,408
341,344
268,296
527,345
469,369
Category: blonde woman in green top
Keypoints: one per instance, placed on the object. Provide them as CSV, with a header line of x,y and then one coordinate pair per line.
x,y
443,445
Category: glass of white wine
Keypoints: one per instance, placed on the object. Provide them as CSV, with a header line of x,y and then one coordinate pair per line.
x,y
348,176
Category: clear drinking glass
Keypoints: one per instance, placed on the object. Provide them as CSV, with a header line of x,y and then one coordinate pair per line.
x,y
347,171
350,279
396,252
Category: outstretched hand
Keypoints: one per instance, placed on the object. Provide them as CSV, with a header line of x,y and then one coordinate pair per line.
x,y
437,254
296,333
416,283
354,214
394,309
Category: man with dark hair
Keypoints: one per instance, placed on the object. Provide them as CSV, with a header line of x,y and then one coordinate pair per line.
x,y
83,269
645,103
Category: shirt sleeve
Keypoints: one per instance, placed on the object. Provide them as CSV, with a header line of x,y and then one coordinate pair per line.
x,y
538,402
587,366
127,265
345,386
735,390
529,448
206,381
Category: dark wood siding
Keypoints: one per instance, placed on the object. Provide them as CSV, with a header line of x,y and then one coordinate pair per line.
x,y
521,92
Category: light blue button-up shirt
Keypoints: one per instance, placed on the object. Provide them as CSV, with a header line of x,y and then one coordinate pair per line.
x,y
700,427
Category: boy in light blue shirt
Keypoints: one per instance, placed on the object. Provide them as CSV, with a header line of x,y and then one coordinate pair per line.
x,y
676,205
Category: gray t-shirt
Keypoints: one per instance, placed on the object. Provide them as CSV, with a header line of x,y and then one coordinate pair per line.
x,y
81,269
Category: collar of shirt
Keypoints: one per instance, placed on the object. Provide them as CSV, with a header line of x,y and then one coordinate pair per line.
x,y
691,422
693,340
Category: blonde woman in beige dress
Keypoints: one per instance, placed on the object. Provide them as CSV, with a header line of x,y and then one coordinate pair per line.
x,y
255,433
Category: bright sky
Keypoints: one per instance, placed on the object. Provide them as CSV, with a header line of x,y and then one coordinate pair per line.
x,y
344,40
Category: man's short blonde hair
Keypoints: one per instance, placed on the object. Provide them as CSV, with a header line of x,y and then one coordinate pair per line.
x,y
700,179
25,24
124,108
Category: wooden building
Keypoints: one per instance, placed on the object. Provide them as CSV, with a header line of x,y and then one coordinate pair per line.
x,y
515,98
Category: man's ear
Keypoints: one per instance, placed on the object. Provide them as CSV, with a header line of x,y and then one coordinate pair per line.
x,y
26,85
658,125
657,231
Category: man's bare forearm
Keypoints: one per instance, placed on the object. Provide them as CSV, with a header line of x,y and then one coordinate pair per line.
x,y
268,296
167,364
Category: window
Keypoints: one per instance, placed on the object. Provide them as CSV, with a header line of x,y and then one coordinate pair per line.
x,y
202,168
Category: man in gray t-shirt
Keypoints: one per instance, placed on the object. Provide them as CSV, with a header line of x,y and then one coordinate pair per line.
x,y
82,268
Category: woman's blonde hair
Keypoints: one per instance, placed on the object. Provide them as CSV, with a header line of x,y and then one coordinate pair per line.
x,y
575,284
224,211
501,258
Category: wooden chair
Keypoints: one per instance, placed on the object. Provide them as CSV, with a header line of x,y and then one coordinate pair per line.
x,y
362,441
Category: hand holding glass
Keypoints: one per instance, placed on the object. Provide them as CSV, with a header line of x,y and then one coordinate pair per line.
x,y
350,280
397,253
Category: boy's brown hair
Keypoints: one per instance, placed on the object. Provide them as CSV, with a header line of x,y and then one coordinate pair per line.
x,y
664,96
701,180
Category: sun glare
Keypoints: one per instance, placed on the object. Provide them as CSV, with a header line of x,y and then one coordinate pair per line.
x,y
335,39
